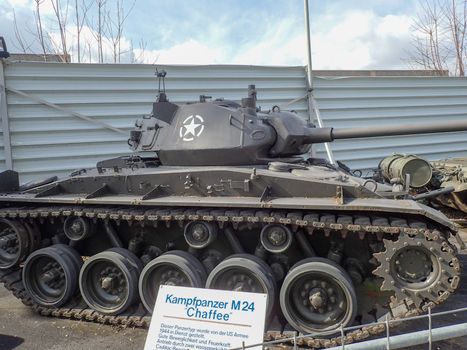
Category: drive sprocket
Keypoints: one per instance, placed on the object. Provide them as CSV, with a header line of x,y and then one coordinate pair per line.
x,y
420,267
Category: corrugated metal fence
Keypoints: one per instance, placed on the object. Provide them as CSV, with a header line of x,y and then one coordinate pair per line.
x,y
46,140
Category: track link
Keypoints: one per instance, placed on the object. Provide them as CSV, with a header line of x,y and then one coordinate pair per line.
x,y
137,315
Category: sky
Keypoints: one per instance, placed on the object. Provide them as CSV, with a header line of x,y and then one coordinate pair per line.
x,y
346,34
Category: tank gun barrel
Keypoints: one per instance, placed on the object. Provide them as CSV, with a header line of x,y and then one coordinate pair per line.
x,y
390,130
320,135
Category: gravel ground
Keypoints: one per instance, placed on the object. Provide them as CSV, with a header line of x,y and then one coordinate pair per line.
x,y
22,329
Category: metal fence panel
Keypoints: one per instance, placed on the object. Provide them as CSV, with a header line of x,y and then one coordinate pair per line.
x,y
3,110
2,154
47,141
366,101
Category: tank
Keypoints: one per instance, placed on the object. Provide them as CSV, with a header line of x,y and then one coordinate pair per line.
x,y
220,194
451,173
442,184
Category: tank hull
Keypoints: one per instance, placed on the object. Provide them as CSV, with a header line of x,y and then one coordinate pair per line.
x,y
147,212
306,188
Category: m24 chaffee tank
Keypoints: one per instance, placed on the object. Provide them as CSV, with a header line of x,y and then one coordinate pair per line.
x,y
220,194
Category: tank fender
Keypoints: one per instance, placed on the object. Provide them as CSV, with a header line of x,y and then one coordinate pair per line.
x,y
437,216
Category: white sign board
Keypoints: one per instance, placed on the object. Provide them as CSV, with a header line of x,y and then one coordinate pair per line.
x,y
205,319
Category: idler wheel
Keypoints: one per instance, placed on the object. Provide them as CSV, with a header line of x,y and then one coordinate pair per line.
x,y
276,238
244,273
200,234
109,281
15,243
50,275
318,296
174,268
77,228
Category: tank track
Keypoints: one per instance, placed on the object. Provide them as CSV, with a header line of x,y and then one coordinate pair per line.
x,y
137,316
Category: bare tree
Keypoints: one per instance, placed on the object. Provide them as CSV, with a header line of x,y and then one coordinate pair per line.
x,y
427,40
61,16
140,57
81,10
456,15
115,26
54,34
439,36
88,44
100,28
21,41
39,27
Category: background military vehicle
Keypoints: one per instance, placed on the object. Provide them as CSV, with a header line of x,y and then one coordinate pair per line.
x,y
442,184
220,194
452,173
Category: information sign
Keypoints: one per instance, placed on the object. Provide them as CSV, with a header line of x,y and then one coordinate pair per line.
x,y
205,319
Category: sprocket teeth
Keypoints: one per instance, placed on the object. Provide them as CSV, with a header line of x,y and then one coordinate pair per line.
x,y
399,295
446,279
379,255
387,286
378,271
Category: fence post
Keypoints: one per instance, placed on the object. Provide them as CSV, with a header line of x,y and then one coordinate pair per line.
x,y
430,333
5,120
388,341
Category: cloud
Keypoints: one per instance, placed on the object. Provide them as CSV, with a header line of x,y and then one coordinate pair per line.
x,y
24,20
188,52
89,49
16,3
350,40
46,6
25,10
346,39
282,44
362,40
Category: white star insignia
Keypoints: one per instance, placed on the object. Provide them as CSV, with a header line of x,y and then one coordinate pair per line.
x,y
191,127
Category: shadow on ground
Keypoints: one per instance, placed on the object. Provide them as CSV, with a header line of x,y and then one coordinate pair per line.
x,y
8,342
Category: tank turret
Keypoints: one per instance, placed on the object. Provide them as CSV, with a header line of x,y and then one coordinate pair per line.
x,y
223,132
